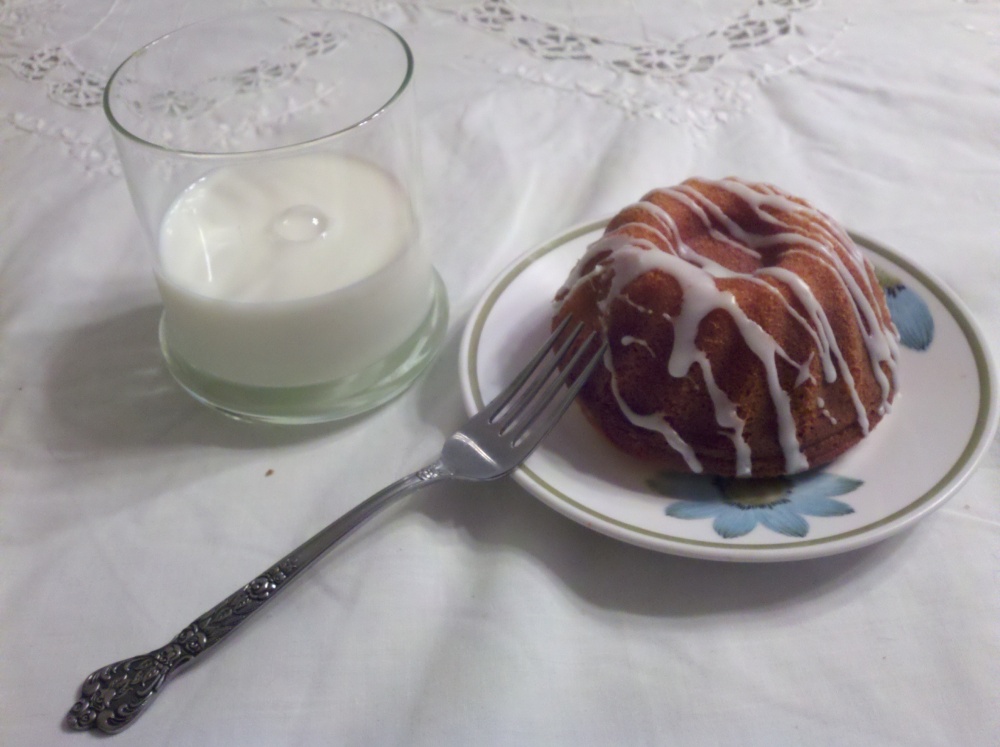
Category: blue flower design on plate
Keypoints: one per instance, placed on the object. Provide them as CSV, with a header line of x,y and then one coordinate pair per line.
x,y
737,505
909,312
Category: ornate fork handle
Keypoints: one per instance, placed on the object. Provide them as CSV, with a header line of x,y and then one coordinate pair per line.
x,y
491,444
112,697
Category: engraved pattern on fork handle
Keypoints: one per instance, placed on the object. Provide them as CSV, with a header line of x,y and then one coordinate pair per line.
x,y
490,445
112,697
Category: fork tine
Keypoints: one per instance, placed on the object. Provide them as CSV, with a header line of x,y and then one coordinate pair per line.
x,y
535,404
512,417
530,390
495,406
536,428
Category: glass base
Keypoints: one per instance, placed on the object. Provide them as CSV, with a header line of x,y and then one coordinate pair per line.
x,y
318,403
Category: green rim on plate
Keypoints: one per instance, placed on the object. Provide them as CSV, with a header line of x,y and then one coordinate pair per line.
x,y
943,488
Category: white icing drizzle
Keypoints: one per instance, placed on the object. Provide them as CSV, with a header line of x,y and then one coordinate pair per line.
x,y
654,422
631,257
821,405
630,340
882,344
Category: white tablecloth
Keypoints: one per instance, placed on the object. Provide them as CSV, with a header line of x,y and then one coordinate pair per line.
x,y
475,614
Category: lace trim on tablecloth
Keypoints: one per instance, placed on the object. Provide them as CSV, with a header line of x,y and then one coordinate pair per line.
x,y
72,87
703,78
698,78
29,51
763,22
97,155
31,48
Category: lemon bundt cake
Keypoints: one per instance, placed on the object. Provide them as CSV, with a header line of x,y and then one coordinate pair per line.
x,y
748,335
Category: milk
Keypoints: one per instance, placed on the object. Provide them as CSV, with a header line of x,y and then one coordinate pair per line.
x,y
291,272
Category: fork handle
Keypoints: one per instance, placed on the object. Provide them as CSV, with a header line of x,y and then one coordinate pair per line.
x,y
112,697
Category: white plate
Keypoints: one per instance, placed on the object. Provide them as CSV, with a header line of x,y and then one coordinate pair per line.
x,y
917,458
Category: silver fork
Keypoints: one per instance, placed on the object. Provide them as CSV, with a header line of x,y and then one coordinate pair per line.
x,y
490,445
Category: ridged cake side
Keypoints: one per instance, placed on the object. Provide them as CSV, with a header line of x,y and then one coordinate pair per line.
x,y
748,334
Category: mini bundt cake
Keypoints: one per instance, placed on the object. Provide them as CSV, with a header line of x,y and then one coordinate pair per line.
x,y
748,335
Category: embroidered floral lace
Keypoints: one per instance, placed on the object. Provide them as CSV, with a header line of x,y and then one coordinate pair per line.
x,y
704,68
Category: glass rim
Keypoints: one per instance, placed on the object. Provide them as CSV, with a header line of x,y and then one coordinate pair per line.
x,y
122,130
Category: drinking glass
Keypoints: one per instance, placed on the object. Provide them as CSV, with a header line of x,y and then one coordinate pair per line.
x,y
273,163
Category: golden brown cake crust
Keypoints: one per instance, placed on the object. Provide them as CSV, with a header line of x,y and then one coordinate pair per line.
x,y
748,334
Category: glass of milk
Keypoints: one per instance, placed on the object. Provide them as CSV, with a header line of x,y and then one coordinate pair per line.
x,y
272,160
